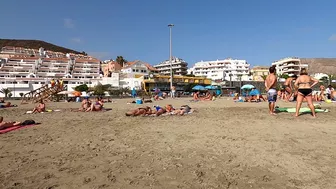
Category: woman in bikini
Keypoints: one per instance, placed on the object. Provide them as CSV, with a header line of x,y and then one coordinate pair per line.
x,y
9,124
97,106
39,108
304,86
184,109
288,86
140,111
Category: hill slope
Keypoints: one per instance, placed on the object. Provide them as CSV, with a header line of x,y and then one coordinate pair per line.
x,y
320,65
35,44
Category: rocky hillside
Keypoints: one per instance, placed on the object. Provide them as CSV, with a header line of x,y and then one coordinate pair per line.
x,y
320,65
35,44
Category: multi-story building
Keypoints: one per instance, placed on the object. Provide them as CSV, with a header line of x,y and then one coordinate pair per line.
x,y
18,67
289,66
86,68
54,68
259,72
179,67
227,69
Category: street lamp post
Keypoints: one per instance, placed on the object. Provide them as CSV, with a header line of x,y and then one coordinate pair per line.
x,y
170,58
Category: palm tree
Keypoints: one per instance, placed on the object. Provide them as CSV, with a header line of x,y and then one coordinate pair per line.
x,y
325,79
330,78
264,77
5,91
230,75
121,61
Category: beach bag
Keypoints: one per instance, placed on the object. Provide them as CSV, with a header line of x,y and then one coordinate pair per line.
x,y
28,122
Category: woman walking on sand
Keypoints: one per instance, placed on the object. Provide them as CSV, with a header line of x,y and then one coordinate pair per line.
x,y
304,86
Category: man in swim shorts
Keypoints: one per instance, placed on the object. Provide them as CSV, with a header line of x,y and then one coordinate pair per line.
x,y
270,84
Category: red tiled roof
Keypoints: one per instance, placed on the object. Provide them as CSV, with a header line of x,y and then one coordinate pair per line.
x,y
150,67
130,64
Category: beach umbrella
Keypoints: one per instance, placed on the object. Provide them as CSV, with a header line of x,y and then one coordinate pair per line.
x,y
198,88
65,92
247,86
211,87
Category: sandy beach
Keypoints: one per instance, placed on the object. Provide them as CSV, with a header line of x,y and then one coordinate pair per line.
x,y
222,145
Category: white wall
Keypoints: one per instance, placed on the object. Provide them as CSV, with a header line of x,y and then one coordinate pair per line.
x,y
19,88
131,83
114,80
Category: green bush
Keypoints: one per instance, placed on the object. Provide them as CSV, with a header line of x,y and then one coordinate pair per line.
x,y
99,90
82,88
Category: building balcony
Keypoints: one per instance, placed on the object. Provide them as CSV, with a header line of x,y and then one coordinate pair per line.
x,y
86,74
21,63
85,68
18,64
50,74
290,65
168,64
53,68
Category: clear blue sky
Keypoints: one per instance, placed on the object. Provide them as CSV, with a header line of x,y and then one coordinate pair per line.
x,y
259,31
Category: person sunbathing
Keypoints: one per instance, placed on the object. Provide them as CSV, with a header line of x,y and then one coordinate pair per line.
x,y
322,96
159,110
86,103
333,95
6,105
2,100
97,106
39,108
184,109
196,96
5,125
143,111
208,96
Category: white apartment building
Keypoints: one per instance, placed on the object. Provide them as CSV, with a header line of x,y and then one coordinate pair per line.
x,y
86,68
289,66
23,70
179,67
227,69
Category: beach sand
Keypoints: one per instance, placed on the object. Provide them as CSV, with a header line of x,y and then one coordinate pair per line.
x,y
223,145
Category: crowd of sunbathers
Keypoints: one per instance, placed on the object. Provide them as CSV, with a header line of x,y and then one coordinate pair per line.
x,y
167,110
288,93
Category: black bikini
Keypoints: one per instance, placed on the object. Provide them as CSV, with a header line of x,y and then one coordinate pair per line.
x,y
305,92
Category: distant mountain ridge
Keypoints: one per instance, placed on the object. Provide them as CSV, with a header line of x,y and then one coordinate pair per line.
x,y
320,65
35,44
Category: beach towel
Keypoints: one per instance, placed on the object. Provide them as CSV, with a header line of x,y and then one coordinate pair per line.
x,y
15,128
302,110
